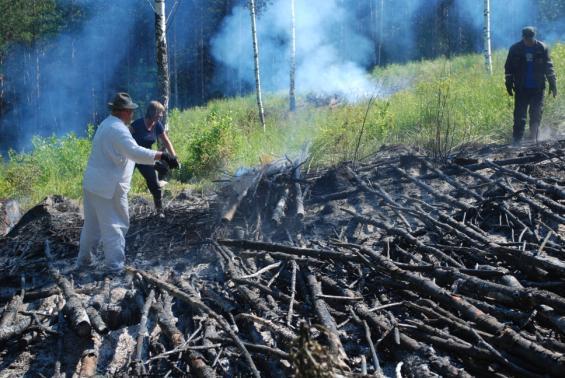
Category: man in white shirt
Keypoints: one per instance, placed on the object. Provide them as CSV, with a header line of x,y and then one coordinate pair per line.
x,y
107,182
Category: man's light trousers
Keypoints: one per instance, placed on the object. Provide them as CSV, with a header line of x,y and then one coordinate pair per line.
x,y
106,221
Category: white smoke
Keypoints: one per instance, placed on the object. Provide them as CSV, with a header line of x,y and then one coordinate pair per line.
x,y
508,17
330,56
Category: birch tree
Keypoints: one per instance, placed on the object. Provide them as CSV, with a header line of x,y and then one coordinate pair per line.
x,y
381,30
486,37
256,60
162,59
292,57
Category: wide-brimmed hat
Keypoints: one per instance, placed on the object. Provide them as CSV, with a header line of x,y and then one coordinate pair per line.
x,y
122,100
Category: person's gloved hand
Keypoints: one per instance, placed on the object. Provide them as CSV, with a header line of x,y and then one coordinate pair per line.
x,y
162,169
172,161
553,89
510,87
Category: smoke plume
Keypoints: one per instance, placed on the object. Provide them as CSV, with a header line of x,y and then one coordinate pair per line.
x,y
331,57
508,17
60,84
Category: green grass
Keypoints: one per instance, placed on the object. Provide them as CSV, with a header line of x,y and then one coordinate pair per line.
x,y
438,104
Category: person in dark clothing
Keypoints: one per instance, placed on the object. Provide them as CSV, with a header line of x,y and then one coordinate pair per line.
x,y
527,67
146,131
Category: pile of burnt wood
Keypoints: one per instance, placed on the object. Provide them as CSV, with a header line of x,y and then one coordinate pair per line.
x,y
398,266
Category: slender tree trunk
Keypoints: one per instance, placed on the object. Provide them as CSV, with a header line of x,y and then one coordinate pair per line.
x,y
486,36
256,59
381,30
373,28
292,57
162,59
37,89
202,55
1,89
240,57
175,70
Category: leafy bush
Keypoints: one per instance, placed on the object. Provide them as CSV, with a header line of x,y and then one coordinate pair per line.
x,y
55,166
209,147
436,104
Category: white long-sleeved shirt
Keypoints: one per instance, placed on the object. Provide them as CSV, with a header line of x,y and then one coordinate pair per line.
x,y
112,159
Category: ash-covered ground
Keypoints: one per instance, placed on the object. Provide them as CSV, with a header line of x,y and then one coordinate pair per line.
x,y
395,265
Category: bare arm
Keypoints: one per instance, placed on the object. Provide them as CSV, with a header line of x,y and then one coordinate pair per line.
x,y
167,142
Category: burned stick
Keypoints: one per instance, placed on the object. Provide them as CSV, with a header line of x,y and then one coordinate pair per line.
x,y
257,348
556,320
96,320
273,247
211,296
243,189
14,330
497,311
298,197
194,359
138,367
522,197
197,304
454,344
450,180
383,325
283,256
11,311
334,196
261,271
406,236
74,309
530,351
445,197
378,370
60,342
553,189
248,295
276,293
279,211
460,229
88,362
292,292
287,334
455,168
324,316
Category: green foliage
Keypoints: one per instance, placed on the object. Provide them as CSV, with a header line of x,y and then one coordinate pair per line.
x,y
210,146
444,103
55,166
25,21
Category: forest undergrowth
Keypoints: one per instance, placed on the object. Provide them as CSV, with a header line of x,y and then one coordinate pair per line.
x,y
437,105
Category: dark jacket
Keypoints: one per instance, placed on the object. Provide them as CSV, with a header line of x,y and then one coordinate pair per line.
x,y
515,67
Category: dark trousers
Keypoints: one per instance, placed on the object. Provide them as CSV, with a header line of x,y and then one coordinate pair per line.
x,y
524,100
149,173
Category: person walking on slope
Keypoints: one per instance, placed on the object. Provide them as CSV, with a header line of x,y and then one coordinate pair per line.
x,y
527,67
145,131
106,184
